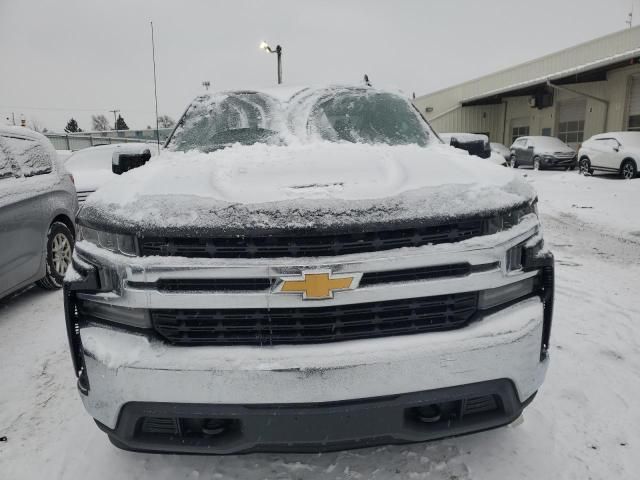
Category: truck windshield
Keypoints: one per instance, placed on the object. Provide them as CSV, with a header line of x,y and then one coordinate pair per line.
x,y
355,115
215,122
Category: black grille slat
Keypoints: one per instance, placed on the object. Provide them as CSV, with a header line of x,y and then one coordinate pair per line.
x,y
314,325
297,245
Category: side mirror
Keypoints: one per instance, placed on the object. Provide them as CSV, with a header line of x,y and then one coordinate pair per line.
x,y
127,159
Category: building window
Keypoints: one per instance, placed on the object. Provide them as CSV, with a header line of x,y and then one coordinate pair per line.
x,y
571,132
634,123
519,132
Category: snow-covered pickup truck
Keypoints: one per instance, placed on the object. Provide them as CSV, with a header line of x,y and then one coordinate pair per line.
x,y
307,270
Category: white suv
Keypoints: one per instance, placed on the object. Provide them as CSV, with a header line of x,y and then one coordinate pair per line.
x,y
615,152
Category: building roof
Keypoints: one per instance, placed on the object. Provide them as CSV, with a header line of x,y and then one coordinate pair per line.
x,y
586,62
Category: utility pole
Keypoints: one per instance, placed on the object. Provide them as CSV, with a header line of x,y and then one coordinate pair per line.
x,y
155,86
630,16
115,120
13,118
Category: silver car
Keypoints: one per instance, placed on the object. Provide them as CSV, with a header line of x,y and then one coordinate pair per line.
x,y
37,212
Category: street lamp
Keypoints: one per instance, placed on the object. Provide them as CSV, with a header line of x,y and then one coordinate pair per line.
x,y
265,46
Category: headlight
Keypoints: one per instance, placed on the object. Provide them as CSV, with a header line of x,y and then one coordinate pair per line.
x,y
509,219
114,242
501,295
133,317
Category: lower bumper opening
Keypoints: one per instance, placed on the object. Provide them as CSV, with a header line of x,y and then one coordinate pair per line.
x,y
224,429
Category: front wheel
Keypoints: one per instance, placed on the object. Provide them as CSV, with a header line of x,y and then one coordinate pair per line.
x,y
536,163
60,243
628,169
585,167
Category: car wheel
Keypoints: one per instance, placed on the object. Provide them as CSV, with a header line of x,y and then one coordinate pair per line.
x,y
513,163
536,163
60,243
628,169
585,167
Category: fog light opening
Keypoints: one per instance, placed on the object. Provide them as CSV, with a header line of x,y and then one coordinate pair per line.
x,y
429,413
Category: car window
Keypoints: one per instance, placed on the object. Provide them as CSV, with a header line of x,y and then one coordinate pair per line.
x,y
520,142
30,157
8,168
608,142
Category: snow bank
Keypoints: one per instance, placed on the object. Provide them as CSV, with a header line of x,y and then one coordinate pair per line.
x,y
320,185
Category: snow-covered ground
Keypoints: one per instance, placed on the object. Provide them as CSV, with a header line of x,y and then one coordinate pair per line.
x,y
583,424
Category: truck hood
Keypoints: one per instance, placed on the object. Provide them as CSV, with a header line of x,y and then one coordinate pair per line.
x,y
268,189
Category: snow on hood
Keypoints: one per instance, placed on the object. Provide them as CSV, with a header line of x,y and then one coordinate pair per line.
x,y
314,186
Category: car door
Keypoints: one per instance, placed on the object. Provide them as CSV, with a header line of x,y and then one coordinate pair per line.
x,y
516,148
605,153
21,211
525,154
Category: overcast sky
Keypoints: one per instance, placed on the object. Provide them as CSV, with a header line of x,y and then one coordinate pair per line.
x,y
75,58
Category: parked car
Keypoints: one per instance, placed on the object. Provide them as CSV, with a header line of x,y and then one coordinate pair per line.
x,y
474,143
347,279
37,212
542,152
501,150
614,152
91,167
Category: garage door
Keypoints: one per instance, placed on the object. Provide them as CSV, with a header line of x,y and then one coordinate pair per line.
x,y
571,114
634,104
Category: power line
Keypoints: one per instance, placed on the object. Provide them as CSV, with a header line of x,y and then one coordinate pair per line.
x,y
67,109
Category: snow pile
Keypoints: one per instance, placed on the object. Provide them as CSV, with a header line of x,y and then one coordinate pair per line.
x,y
320,185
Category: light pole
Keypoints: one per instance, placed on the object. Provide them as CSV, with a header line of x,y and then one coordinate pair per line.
x,y
278,50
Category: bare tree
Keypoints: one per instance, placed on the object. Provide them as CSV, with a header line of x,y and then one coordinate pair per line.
x,y
165,121
36,125
100,123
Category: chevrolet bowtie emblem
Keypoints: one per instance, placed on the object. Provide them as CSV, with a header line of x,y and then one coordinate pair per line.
x,y
318,284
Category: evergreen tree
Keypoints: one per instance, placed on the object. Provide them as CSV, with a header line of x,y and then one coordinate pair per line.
x,y
72,126
121,124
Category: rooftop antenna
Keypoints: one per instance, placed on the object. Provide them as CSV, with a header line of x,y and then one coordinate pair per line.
x,y
630,16
155,86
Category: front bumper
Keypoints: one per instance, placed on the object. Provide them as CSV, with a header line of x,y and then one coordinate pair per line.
x,y
551,161
125,376
123,368
222,429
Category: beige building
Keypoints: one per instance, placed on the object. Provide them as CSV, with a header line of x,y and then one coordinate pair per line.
x,y
591,88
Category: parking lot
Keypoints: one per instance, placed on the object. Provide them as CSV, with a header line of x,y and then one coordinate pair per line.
x,y
583,423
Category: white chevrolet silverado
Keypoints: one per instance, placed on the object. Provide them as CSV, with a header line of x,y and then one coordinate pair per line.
x,y
304,270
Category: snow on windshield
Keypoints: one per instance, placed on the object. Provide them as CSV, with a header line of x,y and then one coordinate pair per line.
x,y
337,114
629,139
91,159
29,156
215,121
551,143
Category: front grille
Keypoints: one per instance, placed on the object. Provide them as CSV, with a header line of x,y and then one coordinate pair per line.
x,y
278,326
311,245
82,196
